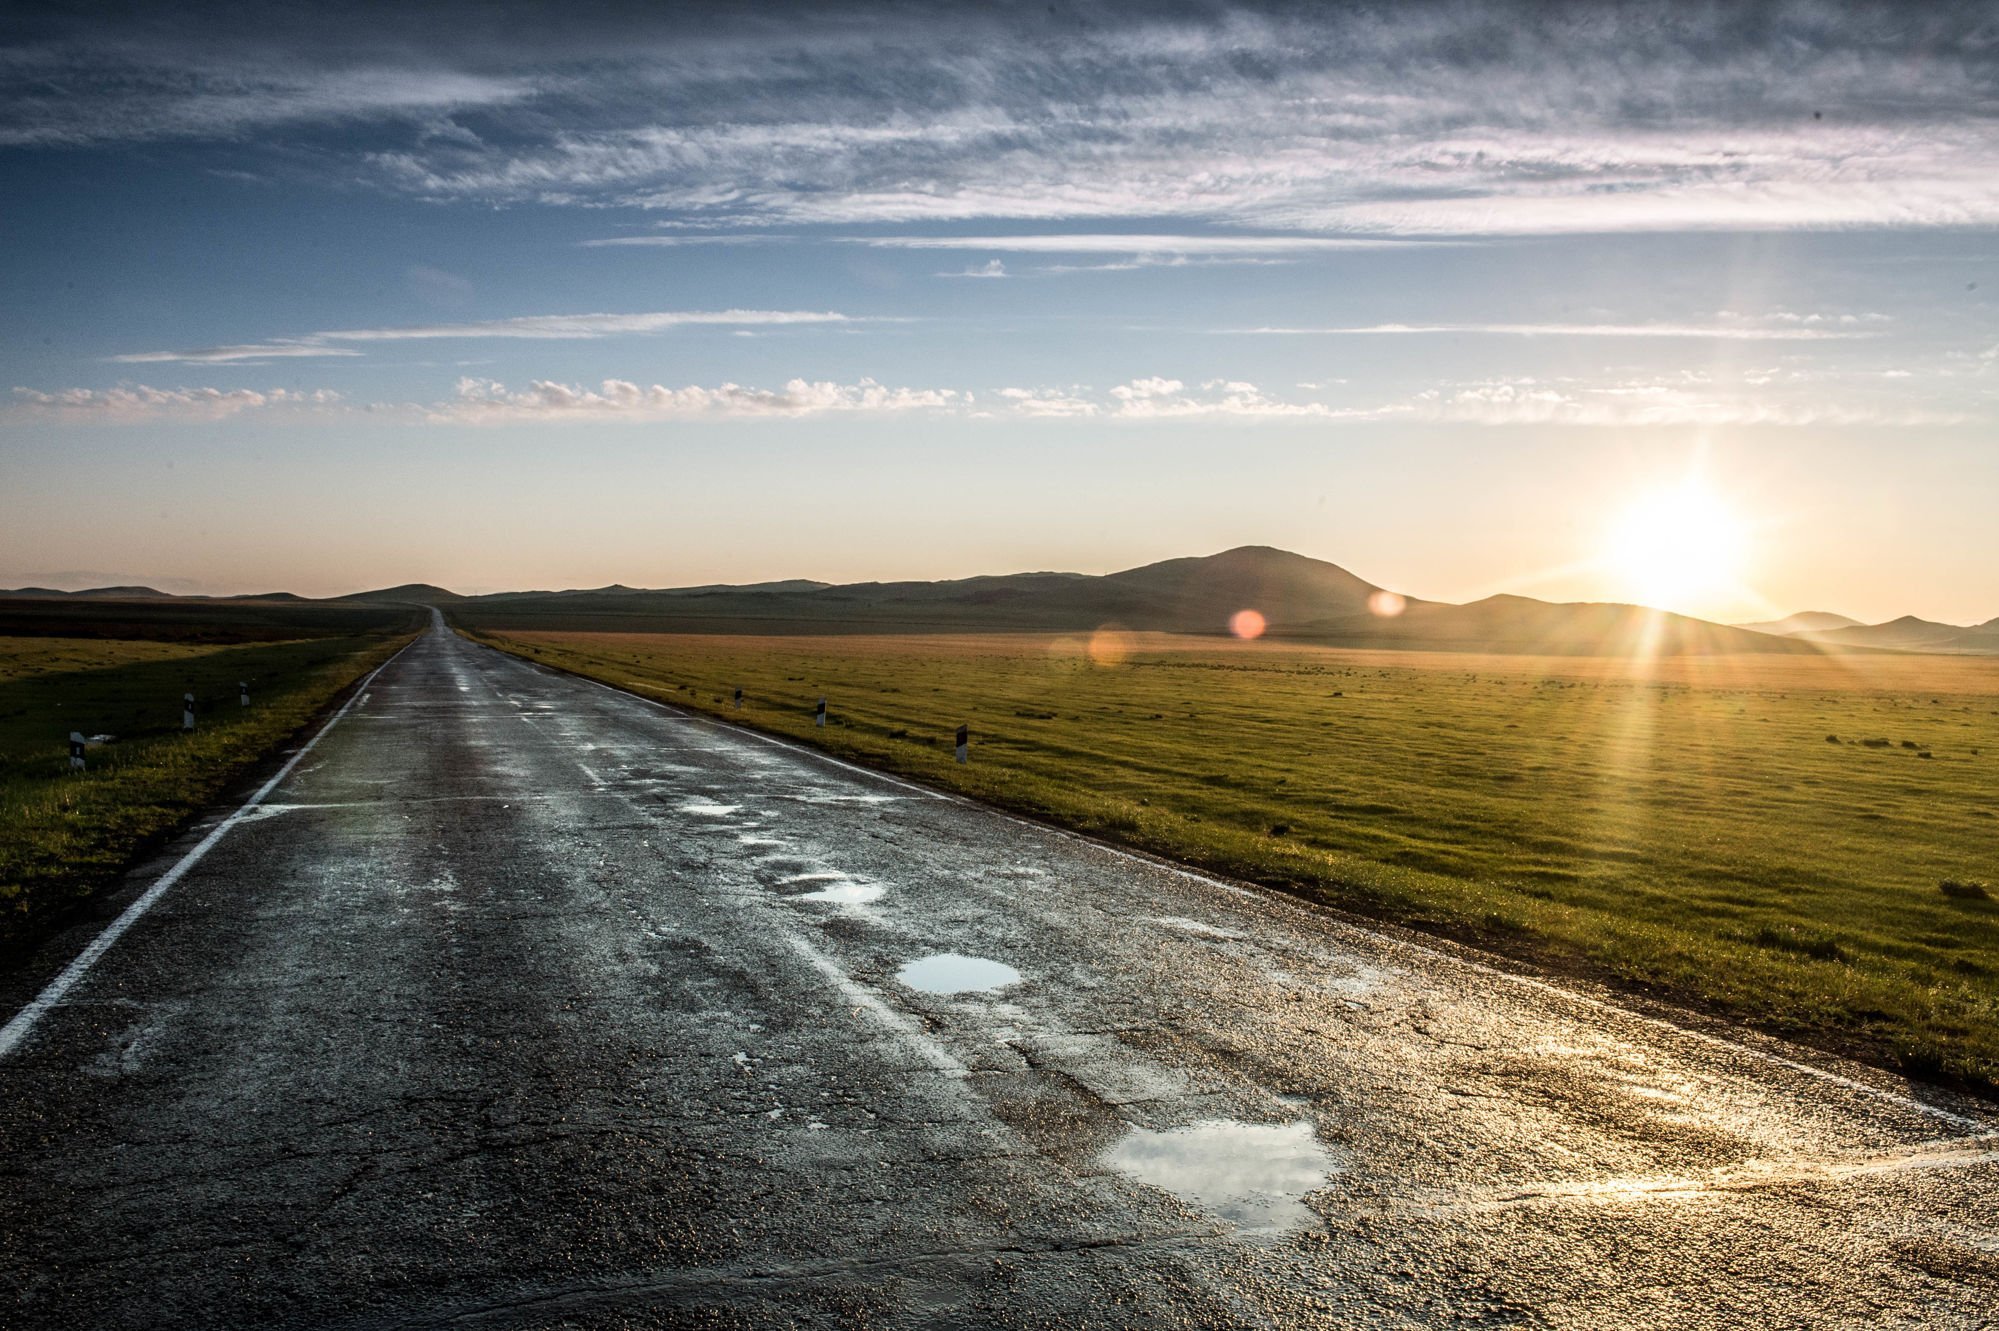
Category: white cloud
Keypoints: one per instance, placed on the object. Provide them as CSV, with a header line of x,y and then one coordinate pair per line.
x,y
547,327
1114,242
137,402
577,326
1049,402
1726,331
990,268
1158,398
1639,403
226,355
486,400
1489,119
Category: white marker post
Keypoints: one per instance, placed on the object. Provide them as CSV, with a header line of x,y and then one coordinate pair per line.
x,y
243,692
964,744
187,712
819,716
76,750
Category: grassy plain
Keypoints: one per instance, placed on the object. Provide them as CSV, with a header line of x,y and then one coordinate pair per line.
x,y
64,835
1762,836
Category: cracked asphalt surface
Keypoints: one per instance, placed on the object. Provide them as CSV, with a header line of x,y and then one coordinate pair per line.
x,y
525,1003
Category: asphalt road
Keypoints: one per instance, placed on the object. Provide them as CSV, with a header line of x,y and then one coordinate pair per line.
x,y
520,1002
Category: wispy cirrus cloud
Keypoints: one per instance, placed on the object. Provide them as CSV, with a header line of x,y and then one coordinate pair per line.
x,y
547,327
1502,118
1728,331
138,403
1118,242
227,355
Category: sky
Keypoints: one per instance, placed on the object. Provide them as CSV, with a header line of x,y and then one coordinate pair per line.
x,y
1460,297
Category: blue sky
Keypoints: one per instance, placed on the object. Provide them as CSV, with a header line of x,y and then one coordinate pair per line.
x,y
607,294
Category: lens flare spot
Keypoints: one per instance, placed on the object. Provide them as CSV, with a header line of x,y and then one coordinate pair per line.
x,y
1110,646
1386,604
1246,624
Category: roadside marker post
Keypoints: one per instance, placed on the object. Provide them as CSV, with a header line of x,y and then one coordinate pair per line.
x,y
964,744
243,691
739,700
819,716
76,750
187,712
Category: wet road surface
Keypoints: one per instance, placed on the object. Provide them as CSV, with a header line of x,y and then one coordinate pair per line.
x,y
520,1002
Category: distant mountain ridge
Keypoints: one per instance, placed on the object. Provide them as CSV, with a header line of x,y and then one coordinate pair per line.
x,y
1301,599
1909,634
1805,621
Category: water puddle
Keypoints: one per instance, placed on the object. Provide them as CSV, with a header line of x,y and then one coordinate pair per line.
x,y
1253,1175
846,893
709,809
950,973
848,798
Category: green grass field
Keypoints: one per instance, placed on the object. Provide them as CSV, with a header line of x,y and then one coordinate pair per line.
x,y
65,835
1764,837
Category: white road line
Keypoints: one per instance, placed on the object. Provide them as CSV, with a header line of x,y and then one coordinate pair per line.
x,y
904,1027
23,1022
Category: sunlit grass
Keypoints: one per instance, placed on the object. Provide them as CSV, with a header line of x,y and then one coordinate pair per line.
x,y
1765,836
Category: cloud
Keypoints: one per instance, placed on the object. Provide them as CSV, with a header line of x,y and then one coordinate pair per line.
x,y
225,355
1049,402
1639,403
1117,242
682,240
1169,399
1725,331
579,326
1506,118
130,403
559,327
990,268
485,400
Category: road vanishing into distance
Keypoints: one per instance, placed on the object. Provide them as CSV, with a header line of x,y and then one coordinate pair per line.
x,y
521,1002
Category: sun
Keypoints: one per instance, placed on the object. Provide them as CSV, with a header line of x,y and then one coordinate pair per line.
x,y
1678,548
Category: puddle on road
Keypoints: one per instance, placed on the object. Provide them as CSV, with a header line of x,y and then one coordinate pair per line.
x,y
709,809
847,798
950,973
846,893
1253,1175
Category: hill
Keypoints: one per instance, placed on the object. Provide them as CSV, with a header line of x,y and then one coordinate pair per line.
x,y
1910,634
88,594
414,593
1805,621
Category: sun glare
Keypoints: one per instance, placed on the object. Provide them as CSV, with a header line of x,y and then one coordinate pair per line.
x,y
1677,549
